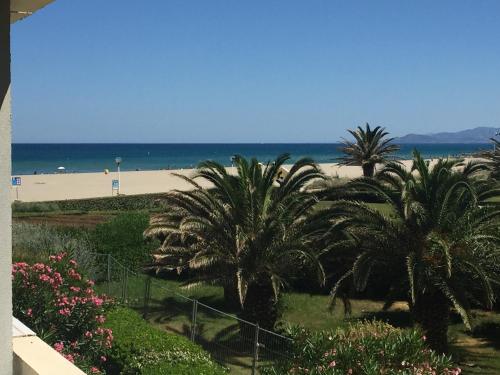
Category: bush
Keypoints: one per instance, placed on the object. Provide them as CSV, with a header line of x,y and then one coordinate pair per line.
x,y
362,348
117,203
122,237
61,306
35,242
18,206
139,348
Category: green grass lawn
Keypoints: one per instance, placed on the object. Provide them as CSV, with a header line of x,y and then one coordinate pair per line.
x,y
227,341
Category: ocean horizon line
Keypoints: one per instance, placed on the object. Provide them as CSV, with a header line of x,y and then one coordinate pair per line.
x,y
35,158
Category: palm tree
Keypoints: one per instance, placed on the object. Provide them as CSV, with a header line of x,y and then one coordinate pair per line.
x,y
493,158
438,246
246,232
370,147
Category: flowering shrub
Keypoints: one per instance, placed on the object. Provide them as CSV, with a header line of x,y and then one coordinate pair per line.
x,y
62,307
366,348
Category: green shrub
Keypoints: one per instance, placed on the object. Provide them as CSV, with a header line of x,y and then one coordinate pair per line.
x,y
18,206
362,348
117,203
35,242
139,348
122,237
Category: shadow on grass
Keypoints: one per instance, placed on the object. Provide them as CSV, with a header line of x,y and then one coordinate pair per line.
x,y
474,363
490,332
223,337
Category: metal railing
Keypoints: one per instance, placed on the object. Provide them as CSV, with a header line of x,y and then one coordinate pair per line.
x,y
240,345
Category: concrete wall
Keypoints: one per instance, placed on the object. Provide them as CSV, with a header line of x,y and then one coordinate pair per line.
x,y
32,356
5,210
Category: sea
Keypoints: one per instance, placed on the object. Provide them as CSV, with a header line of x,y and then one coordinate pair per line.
x,y
80,158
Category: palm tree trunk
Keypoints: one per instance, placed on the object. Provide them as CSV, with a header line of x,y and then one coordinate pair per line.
x,y
260,305
231,297
432,312
368,170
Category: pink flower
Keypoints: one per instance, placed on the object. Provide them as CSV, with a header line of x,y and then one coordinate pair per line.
x,y
65,312
29,312
95,370
39,267
74,275
103,358
69,357
59,346
100,319
97,301
44,277
332,364
74,289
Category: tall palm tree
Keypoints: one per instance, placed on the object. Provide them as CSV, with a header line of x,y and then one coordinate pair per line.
x,y
370,147
438,246
245,232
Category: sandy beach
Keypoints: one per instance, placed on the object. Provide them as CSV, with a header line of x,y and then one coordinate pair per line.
x,y
50,187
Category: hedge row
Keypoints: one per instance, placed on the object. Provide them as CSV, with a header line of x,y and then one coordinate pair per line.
x,y
117,203
141,349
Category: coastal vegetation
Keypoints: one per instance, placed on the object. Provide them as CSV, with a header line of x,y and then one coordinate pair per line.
x,y
122,238
492,157
365,347
140,348
369,148
247,233
63,308
116,203
439,247
416,248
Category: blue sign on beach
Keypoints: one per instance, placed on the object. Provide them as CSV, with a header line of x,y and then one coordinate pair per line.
x,y
115,184
16,181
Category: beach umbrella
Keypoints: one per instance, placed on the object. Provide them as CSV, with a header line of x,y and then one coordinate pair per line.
x,y
61,169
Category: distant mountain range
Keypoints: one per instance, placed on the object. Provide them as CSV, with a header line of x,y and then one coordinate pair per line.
x,y
477,135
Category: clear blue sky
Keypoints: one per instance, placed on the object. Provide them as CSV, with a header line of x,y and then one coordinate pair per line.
x,y
253,71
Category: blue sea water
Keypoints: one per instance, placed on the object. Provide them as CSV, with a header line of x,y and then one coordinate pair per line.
x,y
46,158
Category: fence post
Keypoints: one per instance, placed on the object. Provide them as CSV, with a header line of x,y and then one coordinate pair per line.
x,y
193,320
147,296
109,274
255,350
125,288
124,275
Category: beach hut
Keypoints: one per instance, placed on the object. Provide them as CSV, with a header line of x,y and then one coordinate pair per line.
x,y
10,11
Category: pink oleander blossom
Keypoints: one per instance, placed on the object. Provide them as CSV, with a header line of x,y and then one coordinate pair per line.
x,y
59,346
56,297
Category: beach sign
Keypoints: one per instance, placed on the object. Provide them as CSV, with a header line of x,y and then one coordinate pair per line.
x,y
16,181
115,184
